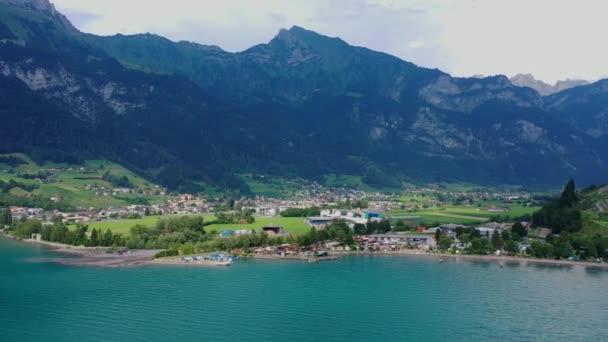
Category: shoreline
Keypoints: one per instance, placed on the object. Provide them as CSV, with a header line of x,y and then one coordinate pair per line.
x,y
293,257
66,249
97,256
483,258
177,261
88,256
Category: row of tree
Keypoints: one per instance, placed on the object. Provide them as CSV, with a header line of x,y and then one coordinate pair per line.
x,y
234,217
59,232
372,227
480,244
168,232
118,181
568,245
301,212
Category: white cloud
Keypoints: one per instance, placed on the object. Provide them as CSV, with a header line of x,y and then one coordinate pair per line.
x,y
415,44
553,39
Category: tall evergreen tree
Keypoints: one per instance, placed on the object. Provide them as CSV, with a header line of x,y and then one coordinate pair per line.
x,y
107,238
518,230
3,218
94,240
568,197
438,235
497,241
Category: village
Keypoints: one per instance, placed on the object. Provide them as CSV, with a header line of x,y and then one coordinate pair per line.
x,y
414,220
311,196
453,219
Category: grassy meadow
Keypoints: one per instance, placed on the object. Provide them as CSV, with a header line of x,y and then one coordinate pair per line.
x,y
463,214
69,184
295,225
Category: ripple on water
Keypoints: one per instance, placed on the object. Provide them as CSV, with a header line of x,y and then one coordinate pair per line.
x,y
353,299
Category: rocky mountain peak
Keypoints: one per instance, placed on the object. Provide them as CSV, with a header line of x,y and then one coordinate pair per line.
x,y
43,6
35,5
299,36
528,80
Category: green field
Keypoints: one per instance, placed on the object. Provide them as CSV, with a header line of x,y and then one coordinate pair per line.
x,y
462,214
431,217
516,210
69,184
123,226
294,225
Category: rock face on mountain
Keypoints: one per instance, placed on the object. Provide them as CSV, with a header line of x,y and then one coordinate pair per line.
x,y
302,105
584,107
41,6
527,80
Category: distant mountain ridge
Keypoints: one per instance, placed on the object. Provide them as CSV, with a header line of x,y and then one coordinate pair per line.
x,y
527,80
304,104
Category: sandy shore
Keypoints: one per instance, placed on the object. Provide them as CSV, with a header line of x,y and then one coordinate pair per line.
x,y
177,261
68,249
92,256
487,258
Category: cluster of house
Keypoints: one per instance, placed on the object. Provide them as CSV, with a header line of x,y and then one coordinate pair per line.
x,y
29,213
101,190
292,250
396,241
487,230
111,213
393,241
320,194
280,250
351,217
383,205
187,204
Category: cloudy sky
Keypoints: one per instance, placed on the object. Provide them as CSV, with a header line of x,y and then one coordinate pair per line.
x,y
552,39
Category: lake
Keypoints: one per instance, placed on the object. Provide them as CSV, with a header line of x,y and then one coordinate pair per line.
x,y
362,298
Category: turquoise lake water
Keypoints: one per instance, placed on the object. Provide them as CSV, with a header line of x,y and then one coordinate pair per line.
x,y
353,299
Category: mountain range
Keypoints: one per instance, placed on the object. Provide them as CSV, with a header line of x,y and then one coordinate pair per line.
x,y
528,80
306,105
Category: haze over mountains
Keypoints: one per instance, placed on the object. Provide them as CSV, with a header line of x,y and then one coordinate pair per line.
x,y
304,105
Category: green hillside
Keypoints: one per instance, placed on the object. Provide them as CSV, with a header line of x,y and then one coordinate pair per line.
x,y
91,184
